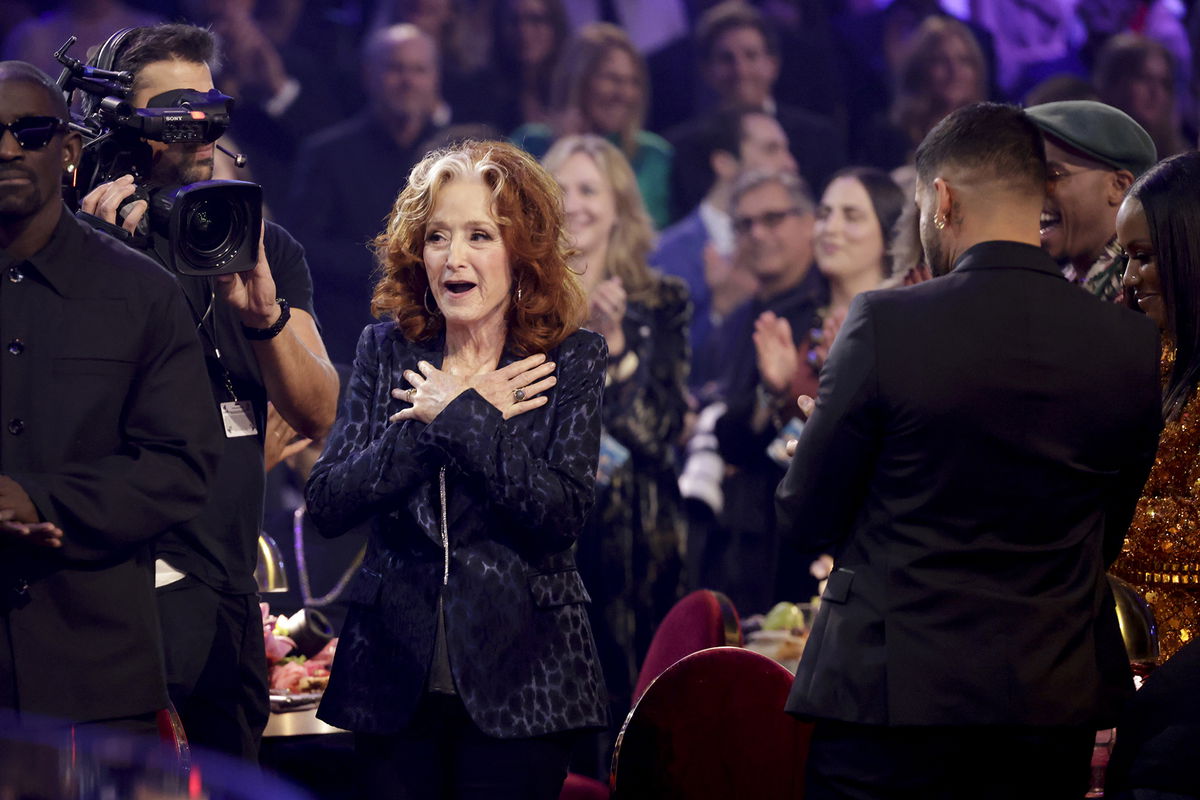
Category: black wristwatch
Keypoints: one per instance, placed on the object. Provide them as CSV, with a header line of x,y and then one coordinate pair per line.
x,y
262,334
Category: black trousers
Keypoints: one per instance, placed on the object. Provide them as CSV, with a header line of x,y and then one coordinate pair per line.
x,y
443,754
857,762
216,666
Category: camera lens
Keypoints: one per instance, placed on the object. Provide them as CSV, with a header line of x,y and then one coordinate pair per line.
x,y
212,232
210,227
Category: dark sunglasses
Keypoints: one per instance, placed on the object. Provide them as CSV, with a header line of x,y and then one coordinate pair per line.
x,y
33,133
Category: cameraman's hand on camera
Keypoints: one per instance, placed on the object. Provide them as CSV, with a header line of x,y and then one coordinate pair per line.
x,y
105,199
252,293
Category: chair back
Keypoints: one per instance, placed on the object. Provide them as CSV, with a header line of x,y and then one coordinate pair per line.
x,y
713,726
170,730
581,787
700,620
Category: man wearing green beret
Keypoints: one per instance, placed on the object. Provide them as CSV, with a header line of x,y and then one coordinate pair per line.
x,y
1094,153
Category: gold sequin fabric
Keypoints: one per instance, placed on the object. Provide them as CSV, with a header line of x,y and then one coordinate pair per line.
x,y
1161,556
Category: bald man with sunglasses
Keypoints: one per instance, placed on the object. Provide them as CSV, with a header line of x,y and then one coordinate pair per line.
x,y
107,435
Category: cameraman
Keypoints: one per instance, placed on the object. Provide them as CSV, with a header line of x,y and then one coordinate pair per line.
x,y
212,628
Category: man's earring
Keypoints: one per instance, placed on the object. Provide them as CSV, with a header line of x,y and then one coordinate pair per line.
x,y
939,222
70,168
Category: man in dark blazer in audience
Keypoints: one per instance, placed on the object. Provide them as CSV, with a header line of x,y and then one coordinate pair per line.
x,y
972,463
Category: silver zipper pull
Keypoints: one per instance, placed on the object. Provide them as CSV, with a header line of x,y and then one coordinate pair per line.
x,y
445,528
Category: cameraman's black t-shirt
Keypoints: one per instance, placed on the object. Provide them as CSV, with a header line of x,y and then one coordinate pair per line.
x,y
219,547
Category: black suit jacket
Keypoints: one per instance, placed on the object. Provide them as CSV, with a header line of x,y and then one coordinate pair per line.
x,y
977,450
518,492
111,429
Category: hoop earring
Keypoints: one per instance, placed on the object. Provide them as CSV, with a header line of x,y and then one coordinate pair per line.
x,y
939,222
433,312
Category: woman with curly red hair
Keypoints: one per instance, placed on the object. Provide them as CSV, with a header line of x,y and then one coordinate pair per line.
x,y
469,439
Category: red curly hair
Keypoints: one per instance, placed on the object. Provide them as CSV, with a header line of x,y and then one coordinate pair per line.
x,y
528,208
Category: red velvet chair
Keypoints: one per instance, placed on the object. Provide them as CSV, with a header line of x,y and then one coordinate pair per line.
x,y
713,726
170,730
581,787
700,620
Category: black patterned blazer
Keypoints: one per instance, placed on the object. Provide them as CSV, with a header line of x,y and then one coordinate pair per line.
x,y
518,492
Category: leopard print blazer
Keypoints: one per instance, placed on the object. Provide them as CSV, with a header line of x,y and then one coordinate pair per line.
x,y
518,493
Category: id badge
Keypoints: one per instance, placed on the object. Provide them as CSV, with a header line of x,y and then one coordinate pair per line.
x,y
777,449
238,416
613,456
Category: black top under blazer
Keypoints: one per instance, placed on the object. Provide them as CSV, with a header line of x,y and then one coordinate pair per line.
x,y
973,463
518,492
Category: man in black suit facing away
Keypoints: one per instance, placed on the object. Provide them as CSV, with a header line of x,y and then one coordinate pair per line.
x,y
973,462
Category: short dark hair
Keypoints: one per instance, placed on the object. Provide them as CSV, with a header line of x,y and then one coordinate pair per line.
x,y
727,128
168,41
728,16
1168,196
27,73
995,138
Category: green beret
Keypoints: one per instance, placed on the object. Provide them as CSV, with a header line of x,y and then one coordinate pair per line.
x,y
1099,131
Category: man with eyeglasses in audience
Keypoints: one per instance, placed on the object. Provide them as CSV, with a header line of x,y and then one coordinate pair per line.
x,y
110,435
755,350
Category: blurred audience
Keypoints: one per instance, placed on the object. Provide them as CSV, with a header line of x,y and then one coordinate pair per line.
x,y
660,31
602,87
630,551
286,66
347,177
943,70
92,21
1093,153
700,247
528,39
740,62
810,65
1031,41
459,28
1158,229
1136,74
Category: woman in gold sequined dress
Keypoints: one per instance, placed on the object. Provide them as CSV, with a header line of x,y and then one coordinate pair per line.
x,y
1159,227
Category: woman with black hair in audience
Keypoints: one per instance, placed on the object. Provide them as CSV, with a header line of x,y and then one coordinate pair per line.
x,y
852,237
1158,226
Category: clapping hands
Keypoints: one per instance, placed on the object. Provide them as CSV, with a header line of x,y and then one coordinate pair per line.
x,y
778,359
606,313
